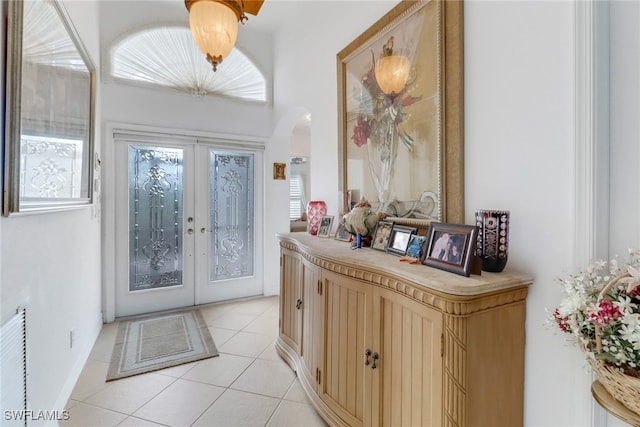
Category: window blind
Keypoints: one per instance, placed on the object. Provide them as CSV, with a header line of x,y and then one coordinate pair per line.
x,y
295,197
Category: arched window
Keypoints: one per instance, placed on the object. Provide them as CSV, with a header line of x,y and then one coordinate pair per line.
x,y
168,56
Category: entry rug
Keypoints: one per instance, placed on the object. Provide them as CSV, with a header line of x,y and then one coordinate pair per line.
x,y
150,343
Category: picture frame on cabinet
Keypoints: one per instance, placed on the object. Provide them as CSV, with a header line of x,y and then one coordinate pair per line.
x,y
416,246
325,226
452,247
381,235
342,234
399,239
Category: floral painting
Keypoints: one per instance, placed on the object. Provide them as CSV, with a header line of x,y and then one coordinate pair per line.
x,y
393,136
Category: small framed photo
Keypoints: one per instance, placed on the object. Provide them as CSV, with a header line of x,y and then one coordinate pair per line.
x,y
381,235
452,247
415,248
325,226
278,171
342,234
399,239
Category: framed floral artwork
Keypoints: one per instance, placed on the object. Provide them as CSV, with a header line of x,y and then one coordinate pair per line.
x,y
400,106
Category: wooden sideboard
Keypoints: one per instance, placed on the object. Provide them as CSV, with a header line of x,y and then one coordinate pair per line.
x,y
380,342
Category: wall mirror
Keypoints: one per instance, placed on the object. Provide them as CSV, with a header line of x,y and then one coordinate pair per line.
x,y
400,104
49,115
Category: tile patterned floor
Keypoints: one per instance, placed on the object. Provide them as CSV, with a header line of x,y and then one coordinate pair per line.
x,y
247,385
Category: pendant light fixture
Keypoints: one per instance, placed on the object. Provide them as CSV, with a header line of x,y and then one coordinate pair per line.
x,y
391,70
214,25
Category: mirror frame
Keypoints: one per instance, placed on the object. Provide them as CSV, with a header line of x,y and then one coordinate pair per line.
x,y
12,203
451,103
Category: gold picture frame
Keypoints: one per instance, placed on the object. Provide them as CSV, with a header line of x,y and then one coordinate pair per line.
x,y
278,171
416,129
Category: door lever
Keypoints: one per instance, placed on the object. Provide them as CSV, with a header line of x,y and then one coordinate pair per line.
x,y
375,358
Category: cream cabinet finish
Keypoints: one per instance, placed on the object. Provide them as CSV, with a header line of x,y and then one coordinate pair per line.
x,y
379,342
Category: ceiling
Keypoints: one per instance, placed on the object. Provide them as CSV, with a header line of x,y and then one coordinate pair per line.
x,y
271,16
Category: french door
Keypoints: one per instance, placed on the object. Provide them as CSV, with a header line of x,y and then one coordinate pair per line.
x,y
188,224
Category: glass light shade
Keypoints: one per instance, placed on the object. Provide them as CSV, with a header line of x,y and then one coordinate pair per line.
x,y
392,73
214,27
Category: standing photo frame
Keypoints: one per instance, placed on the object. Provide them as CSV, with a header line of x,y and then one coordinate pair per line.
x,y
416,246
325,226
452,247
381,235
399,239
342,234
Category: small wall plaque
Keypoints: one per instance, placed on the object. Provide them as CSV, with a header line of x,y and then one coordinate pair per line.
x,y
278,170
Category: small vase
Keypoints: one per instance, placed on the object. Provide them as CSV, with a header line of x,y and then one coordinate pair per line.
x,y
493,238
316,209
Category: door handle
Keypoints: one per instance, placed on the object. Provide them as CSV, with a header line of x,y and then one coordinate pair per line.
x,y
367,353
190,231
203,230
298,304
375,357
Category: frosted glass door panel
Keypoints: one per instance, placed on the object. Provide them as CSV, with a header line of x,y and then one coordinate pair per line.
x,y
155,217
231,215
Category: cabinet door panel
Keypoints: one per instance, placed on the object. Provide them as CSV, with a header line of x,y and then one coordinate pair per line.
x,y
311,321
408,382
290,293
347,310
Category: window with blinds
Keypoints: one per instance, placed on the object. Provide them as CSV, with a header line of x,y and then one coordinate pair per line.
x,y
296,191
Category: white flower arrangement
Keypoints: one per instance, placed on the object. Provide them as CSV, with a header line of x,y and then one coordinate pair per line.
x,y
615,316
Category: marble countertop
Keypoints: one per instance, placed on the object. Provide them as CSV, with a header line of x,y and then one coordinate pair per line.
x,y
418,275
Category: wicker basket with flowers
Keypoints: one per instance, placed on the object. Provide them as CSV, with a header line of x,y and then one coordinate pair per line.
x,y
601,314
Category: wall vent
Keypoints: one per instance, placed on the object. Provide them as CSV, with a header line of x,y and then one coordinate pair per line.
x,y
13,371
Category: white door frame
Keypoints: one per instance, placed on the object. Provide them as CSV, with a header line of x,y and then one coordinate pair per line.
x,y
108,205
591,204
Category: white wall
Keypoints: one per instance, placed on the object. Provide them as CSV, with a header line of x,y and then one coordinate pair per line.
x,y
624,151
52,262
625,126
519,137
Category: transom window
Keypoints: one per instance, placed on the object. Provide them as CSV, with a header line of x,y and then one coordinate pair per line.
x,y
169,57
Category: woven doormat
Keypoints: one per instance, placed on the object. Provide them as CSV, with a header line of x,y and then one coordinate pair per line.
x,y
149,343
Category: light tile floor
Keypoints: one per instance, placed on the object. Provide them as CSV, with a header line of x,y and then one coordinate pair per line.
x,y
247,385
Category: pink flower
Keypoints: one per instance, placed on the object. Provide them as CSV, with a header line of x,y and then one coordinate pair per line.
x,y
361,132
603,313
562,321
633,281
